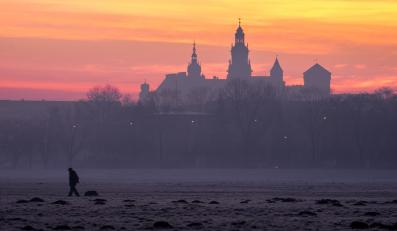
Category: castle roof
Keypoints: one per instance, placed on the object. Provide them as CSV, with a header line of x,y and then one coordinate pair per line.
x,y
276,66
317,68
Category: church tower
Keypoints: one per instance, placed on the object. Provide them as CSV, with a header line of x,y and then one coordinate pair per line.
x,y
194,67
239,65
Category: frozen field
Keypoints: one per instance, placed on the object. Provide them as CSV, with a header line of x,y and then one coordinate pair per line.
x,y
200,199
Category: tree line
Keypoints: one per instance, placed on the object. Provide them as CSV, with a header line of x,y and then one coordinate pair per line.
x,y
243,125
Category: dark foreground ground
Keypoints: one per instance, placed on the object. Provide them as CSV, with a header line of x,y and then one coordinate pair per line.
x,y
200,199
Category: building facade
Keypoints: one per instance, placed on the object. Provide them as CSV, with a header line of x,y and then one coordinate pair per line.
x,y
182,84
317,78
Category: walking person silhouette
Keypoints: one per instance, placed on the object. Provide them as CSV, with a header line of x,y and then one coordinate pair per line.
x,y
73,180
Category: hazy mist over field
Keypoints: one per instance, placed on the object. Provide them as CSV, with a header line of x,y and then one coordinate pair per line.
x,y
198,115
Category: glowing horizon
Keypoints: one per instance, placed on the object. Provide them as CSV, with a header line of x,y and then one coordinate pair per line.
x,y
52,46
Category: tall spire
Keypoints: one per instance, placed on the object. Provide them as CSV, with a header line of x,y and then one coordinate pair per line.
x,y
194,68
194,54
240,66
239,36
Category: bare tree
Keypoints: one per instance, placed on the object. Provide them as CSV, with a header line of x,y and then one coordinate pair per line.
x,y
107,93
252,109
384,93
104,100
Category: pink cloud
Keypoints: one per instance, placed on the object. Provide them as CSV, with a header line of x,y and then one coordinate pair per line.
x,y
76,66
360,66
339,66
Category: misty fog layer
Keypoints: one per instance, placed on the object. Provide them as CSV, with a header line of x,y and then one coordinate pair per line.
x,y
241,126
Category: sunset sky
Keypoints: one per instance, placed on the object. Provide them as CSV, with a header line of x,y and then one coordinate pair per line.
x,y
58,49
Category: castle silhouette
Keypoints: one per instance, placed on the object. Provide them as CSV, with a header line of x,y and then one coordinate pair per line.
x,y
316,79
